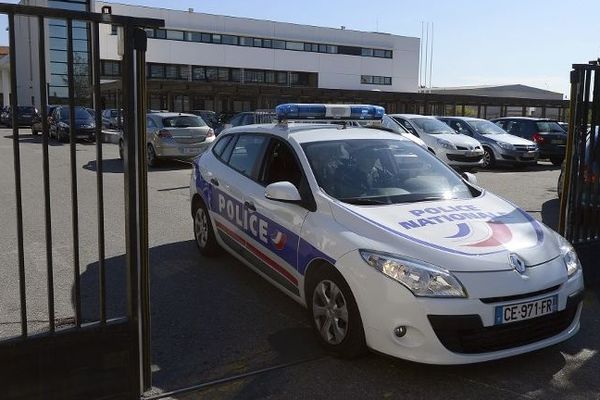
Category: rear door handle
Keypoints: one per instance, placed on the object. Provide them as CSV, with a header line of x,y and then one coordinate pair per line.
x,y
250,206
214,181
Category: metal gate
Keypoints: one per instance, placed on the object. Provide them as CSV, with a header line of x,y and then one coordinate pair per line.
x,y
104,358
580,178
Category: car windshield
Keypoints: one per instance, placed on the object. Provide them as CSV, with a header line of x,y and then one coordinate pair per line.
x,y
432,126
486,127
183,121
549,126
382,171
80,113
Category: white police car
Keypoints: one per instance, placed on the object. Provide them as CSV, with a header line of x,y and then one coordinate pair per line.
x,y
387,247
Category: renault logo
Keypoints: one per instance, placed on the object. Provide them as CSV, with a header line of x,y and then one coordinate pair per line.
x,y
516,262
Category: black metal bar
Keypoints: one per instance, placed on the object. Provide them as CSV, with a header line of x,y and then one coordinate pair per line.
x,y
140,70
60,13
593,184
46,168
74,199
131,143
99,169
17,163
579,228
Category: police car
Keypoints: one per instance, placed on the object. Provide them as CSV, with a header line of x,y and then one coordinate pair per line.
x,y
388,247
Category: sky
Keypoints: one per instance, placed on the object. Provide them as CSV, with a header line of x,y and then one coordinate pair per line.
x,y
476,42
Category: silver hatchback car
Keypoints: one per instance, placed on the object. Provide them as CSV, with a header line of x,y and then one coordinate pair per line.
x,y
174,136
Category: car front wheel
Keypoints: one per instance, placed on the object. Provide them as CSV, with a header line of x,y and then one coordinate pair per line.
x,y
151,156
556,161
334,313
488,158
204,233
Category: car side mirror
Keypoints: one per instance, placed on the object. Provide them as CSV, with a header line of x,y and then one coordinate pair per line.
x,y
469,177
282,191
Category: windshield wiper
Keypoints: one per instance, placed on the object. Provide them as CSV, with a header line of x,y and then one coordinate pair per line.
x,y
363,201
430,198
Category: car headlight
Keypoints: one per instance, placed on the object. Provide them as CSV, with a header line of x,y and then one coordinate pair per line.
x,y
421,278
506,146
569,256
446,144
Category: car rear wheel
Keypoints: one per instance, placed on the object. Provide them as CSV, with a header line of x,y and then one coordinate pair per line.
x,y
334,313
488,158
556,161
151,156
204,233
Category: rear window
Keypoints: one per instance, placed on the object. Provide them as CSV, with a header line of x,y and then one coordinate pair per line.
x,y
183,121
549,126
26,110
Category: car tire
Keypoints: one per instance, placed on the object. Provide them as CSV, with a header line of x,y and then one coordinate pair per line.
x,y
151,157
556,161
334,314
203,231
489,161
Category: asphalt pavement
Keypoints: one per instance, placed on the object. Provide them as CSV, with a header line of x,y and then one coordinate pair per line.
x,y
214,318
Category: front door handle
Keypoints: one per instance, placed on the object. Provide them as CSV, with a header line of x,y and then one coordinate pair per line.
x,y
250,206
214,181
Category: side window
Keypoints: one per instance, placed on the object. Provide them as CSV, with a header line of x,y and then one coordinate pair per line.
x,y
281,165
221,144
150,123
501,124
246,153
514,128
235,121
248,119
458,126
406,125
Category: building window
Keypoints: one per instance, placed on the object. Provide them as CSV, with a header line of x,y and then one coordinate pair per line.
x,y
279,44
174,35
294,46
254,76
229,39
206,38
216,38
367,52
110,68
212,73
198,73
160,34
379,53
157,71
246,41
375,80
236,75
268,43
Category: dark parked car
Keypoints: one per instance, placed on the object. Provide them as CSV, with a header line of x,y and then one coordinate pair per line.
x,y
499,147
251,117
25,116
211,118
547,134
36,127
85,126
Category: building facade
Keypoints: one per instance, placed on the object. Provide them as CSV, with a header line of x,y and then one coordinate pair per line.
x,y
214,55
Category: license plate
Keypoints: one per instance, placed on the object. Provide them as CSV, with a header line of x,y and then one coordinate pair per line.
x,y
527,310
190,150
557,141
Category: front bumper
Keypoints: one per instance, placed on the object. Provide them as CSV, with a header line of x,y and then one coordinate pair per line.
x,y
463,158
385,304
171,149
516,157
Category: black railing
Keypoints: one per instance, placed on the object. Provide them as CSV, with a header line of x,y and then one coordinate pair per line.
x,y
137,318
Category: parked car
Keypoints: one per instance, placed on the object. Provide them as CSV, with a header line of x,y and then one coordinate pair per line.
x,y
25,116
174,136
112,118
36,126
499,147
392,125
211,118
386,246
250,118
547,134
564,126
60,129
457,150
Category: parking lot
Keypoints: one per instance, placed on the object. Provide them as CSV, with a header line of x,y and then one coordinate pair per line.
x,y
213,318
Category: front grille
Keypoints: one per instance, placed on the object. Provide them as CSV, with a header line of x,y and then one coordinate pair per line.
x,y
466,333
490,300
461,148
461,158
524,147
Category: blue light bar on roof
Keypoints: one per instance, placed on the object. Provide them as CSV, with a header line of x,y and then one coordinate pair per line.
x,y
298,111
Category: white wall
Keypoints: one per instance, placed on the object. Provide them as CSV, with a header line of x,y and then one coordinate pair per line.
x,y
335,71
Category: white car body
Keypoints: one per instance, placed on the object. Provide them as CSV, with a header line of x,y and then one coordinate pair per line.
x,y
463,152
471,238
